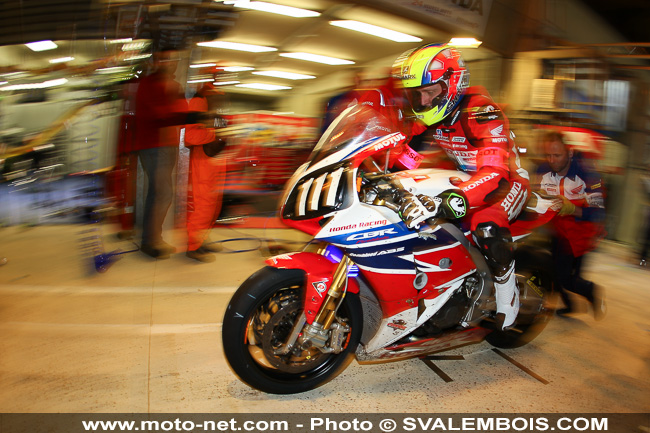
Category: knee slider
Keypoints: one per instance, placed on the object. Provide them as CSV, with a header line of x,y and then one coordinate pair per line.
x,y
496,245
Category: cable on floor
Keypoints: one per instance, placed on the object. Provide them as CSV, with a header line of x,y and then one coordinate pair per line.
x,y
261,241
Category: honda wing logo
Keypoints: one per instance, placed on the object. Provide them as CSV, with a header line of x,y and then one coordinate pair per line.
x,y
498,131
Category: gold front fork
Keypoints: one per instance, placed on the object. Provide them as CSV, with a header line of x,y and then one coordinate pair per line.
x,y
326,315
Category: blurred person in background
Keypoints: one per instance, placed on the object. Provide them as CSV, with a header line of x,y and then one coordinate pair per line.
x,y
579,225
339,102
207,172
160,110
474,133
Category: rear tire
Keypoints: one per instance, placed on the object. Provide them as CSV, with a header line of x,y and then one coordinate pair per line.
x,y
535,281
260,317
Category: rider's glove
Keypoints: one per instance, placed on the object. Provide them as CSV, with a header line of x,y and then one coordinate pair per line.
x,y
567,208
414,210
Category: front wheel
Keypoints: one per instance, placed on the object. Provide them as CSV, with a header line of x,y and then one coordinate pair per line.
x,y
535,281
259,320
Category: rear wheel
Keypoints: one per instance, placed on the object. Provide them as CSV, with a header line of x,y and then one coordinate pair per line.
x,y
260,319
535,281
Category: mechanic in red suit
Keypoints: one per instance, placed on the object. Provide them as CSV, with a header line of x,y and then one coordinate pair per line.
x,y
207,173
161,110
469,126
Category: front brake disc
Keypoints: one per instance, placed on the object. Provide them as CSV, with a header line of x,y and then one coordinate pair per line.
x,y
277,331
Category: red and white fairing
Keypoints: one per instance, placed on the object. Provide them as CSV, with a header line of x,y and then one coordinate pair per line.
x,y
411,274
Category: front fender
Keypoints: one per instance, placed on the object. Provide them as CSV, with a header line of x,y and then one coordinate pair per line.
x,y
319,271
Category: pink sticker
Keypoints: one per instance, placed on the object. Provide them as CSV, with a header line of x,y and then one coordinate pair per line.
x,y
409,158
493,160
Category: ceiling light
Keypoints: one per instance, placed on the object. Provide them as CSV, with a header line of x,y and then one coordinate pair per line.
x,y
317,58
42,45
134,46
287,75
138,57
62,60
376,31
16,75
43,147
225,83
120,41
203,65
236,46
465,42
112,70
201,80
30,86
237,68
275,9
261,86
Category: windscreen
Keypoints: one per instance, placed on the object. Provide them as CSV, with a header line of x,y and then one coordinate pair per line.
x,y
351,129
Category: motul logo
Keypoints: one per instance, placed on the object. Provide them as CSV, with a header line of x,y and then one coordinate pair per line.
x,y
390,140
370,235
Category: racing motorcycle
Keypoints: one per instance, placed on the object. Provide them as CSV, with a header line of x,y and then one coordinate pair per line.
x,y
367,286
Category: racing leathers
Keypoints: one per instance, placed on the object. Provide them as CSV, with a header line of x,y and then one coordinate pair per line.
x,y
477,137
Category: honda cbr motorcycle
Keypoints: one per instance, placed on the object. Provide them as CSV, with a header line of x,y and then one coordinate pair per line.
x,y
367,286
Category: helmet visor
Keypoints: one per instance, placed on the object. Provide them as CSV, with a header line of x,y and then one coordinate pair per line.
x,y
424,98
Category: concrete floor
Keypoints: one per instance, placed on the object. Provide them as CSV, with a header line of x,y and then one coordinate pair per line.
x,y
145,337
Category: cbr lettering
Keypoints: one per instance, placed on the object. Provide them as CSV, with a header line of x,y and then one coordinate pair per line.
x,y
370,235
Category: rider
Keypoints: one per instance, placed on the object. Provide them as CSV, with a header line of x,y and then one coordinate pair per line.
x,y
469,126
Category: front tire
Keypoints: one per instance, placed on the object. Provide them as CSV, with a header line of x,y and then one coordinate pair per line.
x,y
259,319
535,281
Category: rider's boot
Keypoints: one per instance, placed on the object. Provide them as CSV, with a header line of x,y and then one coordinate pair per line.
x,y
507,297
